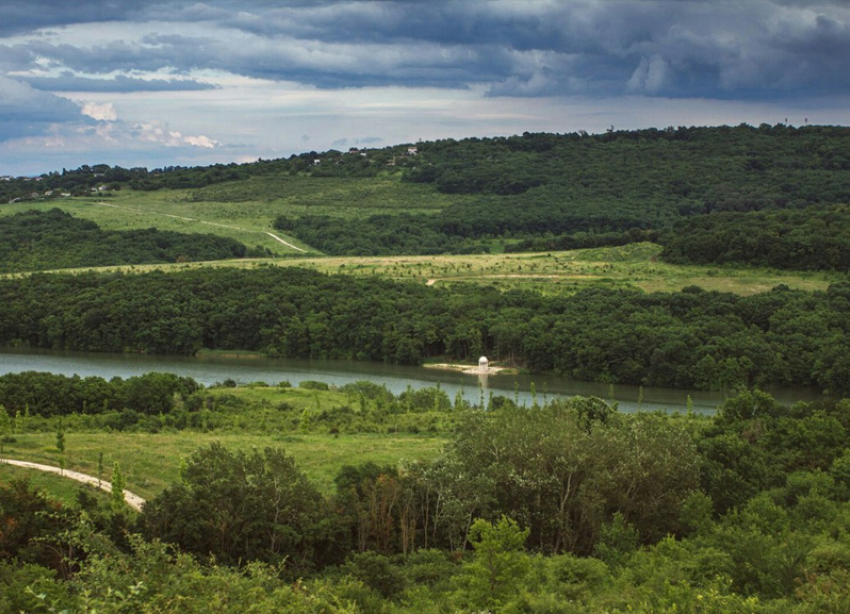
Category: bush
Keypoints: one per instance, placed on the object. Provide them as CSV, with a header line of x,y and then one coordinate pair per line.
x,y
240,507
308,384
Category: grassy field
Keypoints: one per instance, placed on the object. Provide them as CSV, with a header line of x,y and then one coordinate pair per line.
x,y
245,210
552,273
60,488
151,461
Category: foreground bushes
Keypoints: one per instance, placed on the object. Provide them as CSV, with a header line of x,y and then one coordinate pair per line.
x,y
570,508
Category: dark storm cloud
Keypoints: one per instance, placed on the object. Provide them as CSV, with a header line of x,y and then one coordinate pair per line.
x,y
22,17
675,48
25,111
72,83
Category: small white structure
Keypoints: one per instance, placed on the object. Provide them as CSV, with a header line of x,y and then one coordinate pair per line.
x,y
483,365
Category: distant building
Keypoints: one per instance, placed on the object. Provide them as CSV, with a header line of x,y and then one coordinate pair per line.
x,y
483,365
412,151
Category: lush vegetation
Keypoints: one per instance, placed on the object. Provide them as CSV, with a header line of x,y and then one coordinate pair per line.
x,y
571,191
159,402
378,235
691,338
37,240
416,502
45,394
567,507
804,239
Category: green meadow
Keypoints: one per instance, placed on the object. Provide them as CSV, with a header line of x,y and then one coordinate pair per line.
x,y
150,461
551,273
245,210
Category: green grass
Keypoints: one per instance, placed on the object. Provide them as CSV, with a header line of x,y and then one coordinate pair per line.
x,y
552,273
245,210
59,488
151,461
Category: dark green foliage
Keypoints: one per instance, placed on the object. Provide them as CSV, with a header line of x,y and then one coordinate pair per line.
x,y
377,572
101,179
47,394
30,526
241,507
313,385
572,191
37,240
692,338
684,170
755,444
547,471
27,587
554,191
377,235
805,239
583,240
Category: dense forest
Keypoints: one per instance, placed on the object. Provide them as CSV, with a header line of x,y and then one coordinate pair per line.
x,y
691,338
569,507
813,238
39,240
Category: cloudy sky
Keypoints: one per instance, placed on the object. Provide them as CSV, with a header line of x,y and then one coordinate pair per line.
x,y
151,83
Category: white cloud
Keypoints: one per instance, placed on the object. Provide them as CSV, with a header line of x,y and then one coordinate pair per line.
x,y
101,112
200,141
155,132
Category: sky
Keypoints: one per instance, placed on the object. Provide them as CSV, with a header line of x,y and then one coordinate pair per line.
x,y
157,84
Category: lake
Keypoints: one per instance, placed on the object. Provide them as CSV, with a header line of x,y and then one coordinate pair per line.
x,y
210,370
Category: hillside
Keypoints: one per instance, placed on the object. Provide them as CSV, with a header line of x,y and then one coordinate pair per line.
x,y
527,193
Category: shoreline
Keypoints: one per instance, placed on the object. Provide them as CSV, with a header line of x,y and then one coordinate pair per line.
x,y
473,369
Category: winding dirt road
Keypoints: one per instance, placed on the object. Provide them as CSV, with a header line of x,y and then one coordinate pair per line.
x,y
132,499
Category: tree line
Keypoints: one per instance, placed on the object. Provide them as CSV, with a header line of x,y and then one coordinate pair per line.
x,y
692,338
814,238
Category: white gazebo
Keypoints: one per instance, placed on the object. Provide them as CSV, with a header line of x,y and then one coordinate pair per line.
x,y
483,365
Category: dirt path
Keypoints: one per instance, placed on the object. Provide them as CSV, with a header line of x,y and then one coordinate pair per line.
x,y
132,499
191,219
277,238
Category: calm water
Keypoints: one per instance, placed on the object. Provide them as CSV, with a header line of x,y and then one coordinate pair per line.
x,y
338,373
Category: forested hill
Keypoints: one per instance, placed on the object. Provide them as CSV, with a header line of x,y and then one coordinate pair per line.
x,y
573,191
548,191
39,240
